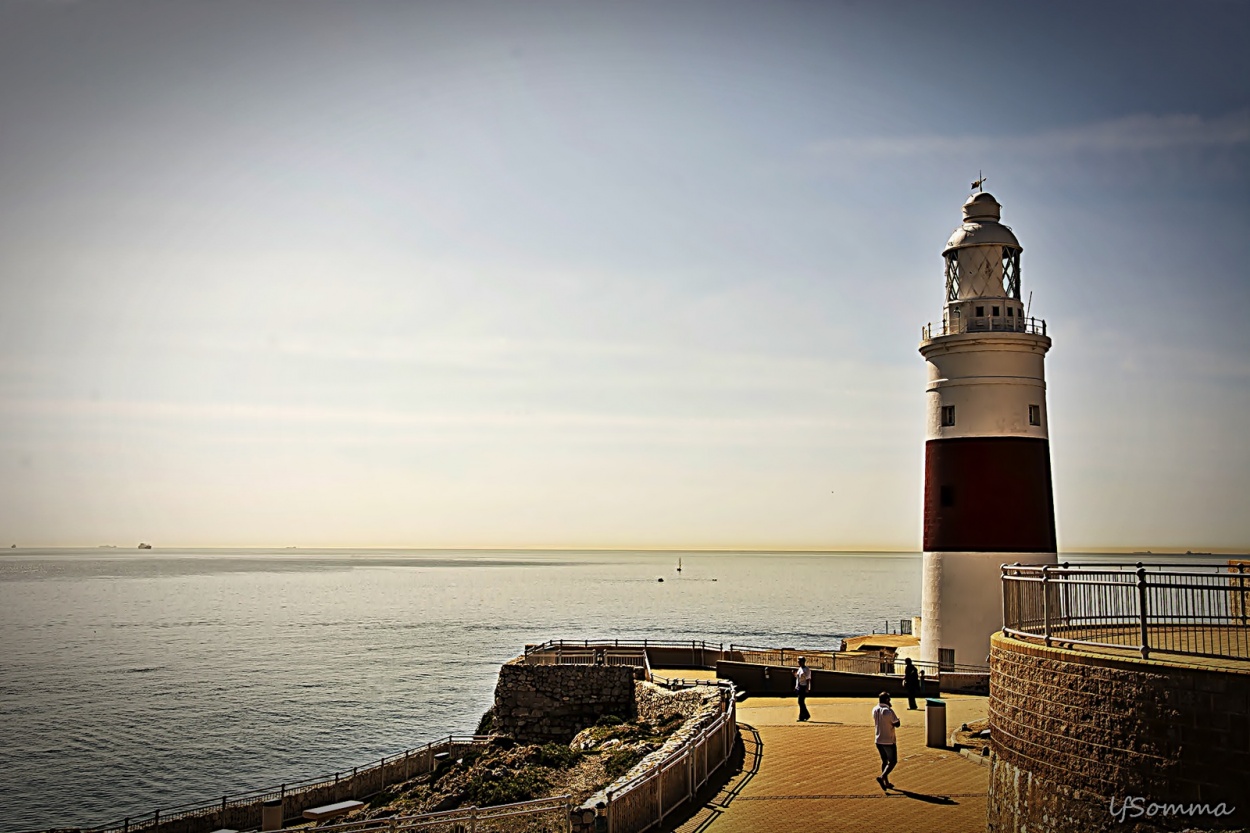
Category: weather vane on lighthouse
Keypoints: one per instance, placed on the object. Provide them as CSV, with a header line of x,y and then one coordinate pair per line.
x,y
980,181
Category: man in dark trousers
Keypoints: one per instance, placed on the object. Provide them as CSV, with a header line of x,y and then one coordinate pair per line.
x,y
802,684
911,683
886,721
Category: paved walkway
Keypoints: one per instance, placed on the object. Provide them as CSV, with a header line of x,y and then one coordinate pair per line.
x,y
820,775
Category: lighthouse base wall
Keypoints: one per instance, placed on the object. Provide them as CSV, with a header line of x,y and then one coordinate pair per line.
x,y
1083,742
961,602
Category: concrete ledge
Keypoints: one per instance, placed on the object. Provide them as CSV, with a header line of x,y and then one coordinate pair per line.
x,y
329,811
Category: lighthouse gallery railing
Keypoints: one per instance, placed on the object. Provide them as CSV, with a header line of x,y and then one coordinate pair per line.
x,y
983,324
1180,609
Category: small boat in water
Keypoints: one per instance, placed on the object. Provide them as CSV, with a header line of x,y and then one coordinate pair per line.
x,y
679,565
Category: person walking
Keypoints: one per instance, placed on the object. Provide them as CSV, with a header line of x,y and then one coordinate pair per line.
x,y
802,684
911,683
886,721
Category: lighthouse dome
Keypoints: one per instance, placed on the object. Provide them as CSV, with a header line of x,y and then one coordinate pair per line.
x,y
982,206
981,226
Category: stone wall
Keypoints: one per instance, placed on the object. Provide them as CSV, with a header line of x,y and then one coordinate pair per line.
x,y
552,703
1073,731
778,681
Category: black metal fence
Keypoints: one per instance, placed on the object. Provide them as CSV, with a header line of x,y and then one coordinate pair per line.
x,y
1185,609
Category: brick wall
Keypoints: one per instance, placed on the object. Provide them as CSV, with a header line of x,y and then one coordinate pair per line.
x,y
1072,731
552,703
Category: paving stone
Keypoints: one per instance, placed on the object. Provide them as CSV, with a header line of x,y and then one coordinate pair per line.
x,y
820,775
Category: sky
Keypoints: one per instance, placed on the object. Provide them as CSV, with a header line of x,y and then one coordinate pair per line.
x,y
603,274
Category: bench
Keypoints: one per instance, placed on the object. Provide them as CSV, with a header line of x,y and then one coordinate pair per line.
x,y
329,811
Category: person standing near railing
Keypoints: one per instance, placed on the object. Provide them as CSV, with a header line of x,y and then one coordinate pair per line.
x,y
911,683
802,683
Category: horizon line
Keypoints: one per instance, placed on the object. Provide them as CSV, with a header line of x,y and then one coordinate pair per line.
x,y
1214,551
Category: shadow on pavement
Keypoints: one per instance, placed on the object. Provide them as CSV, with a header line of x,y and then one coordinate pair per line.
x,y
928,799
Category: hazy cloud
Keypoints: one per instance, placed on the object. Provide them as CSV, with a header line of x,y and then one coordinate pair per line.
x,y
1143,132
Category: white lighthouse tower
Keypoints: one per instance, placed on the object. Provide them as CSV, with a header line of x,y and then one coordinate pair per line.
x,y
987,486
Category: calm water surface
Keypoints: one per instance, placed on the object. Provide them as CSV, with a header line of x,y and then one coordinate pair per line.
x,y
136,680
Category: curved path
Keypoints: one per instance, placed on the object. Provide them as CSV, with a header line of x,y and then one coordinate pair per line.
x,y
820,775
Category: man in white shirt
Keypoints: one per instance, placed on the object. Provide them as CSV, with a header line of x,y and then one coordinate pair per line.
x,y
885,721
802,684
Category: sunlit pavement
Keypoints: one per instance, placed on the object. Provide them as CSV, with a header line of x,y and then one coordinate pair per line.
x,y
820,775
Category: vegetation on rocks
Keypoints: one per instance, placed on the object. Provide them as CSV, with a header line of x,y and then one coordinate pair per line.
x,y
506,772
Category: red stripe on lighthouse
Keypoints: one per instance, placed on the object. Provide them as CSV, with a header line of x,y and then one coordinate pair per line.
x,y
988,494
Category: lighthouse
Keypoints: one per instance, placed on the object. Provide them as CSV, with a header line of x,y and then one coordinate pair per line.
x,y
987,485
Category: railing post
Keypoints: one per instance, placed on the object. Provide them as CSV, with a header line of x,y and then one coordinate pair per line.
x,y
1141,610
1241,592
1002,578
659,791
691,774
1046,603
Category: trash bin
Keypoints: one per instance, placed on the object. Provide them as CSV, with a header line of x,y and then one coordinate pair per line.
x,y
271,815
935,723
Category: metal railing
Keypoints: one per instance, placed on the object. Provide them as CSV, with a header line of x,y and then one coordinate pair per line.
x,y
646,799
572,644
983,324
1180,609
604,655
242,811
860,662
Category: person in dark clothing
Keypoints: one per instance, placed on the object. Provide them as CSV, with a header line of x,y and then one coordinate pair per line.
x,y
803,684
911,683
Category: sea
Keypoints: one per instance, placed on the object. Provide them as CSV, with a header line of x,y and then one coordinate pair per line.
x,y
132,681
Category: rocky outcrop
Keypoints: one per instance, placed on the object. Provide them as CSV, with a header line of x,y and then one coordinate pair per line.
x,y
552,703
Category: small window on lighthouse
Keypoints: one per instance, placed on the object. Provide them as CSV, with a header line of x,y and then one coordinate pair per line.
x,y
1011,312
948,414
995,312
980,311
1035,415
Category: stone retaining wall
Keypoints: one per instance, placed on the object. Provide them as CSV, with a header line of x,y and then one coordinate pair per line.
x,y
552,703
778,681
1073,731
